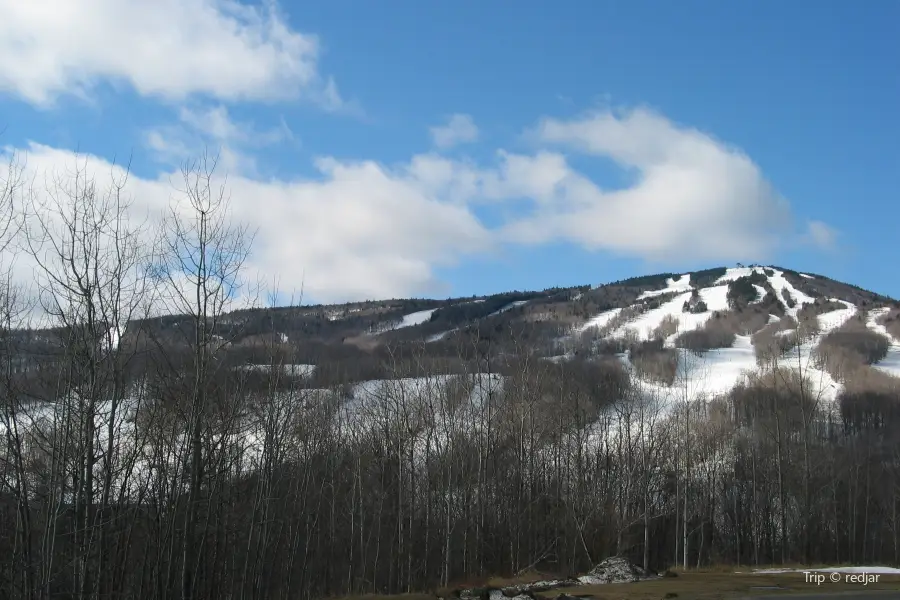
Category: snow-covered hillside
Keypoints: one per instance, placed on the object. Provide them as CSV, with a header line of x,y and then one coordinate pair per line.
x,y
717,370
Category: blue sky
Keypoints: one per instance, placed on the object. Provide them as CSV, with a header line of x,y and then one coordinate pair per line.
x,y
464,147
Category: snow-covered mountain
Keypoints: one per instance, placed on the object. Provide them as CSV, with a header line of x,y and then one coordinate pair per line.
x,y
707,330
704,330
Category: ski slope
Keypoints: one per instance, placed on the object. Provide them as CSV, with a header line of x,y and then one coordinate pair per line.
x,y
601,320
644,324
681,285
717,371
411,320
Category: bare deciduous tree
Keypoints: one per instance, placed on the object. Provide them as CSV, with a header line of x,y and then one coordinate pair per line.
x,y
204,253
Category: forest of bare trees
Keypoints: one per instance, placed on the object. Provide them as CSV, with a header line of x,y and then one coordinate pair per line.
x,y
137,466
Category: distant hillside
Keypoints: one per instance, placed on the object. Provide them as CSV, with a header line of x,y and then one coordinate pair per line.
x,y
732,318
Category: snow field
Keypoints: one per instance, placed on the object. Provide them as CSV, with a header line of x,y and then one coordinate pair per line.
x,y
509,306
412,319
717,371
601,320
644,324
682,284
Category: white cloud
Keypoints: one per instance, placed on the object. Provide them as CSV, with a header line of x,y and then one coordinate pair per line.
x,y
363,230
821,235
217,124
459,129
172,49
359,230
213,127
694,198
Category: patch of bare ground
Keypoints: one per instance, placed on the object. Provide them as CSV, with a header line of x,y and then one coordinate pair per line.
x,y
485,583
722,583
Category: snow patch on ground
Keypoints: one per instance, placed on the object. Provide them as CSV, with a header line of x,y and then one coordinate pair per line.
x,y
726,366
682,284
509,306
890,364
709,374
615,569
716,372
715,299
800,358
804,275
411,320
439,336
737,273
760,293
601,320
835,318
780,284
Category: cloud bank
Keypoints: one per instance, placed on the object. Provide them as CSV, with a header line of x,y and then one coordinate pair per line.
x,y
169,49
692,198
459,129
361,229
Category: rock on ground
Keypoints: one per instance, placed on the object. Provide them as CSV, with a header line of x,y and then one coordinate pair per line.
x,y
615,569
